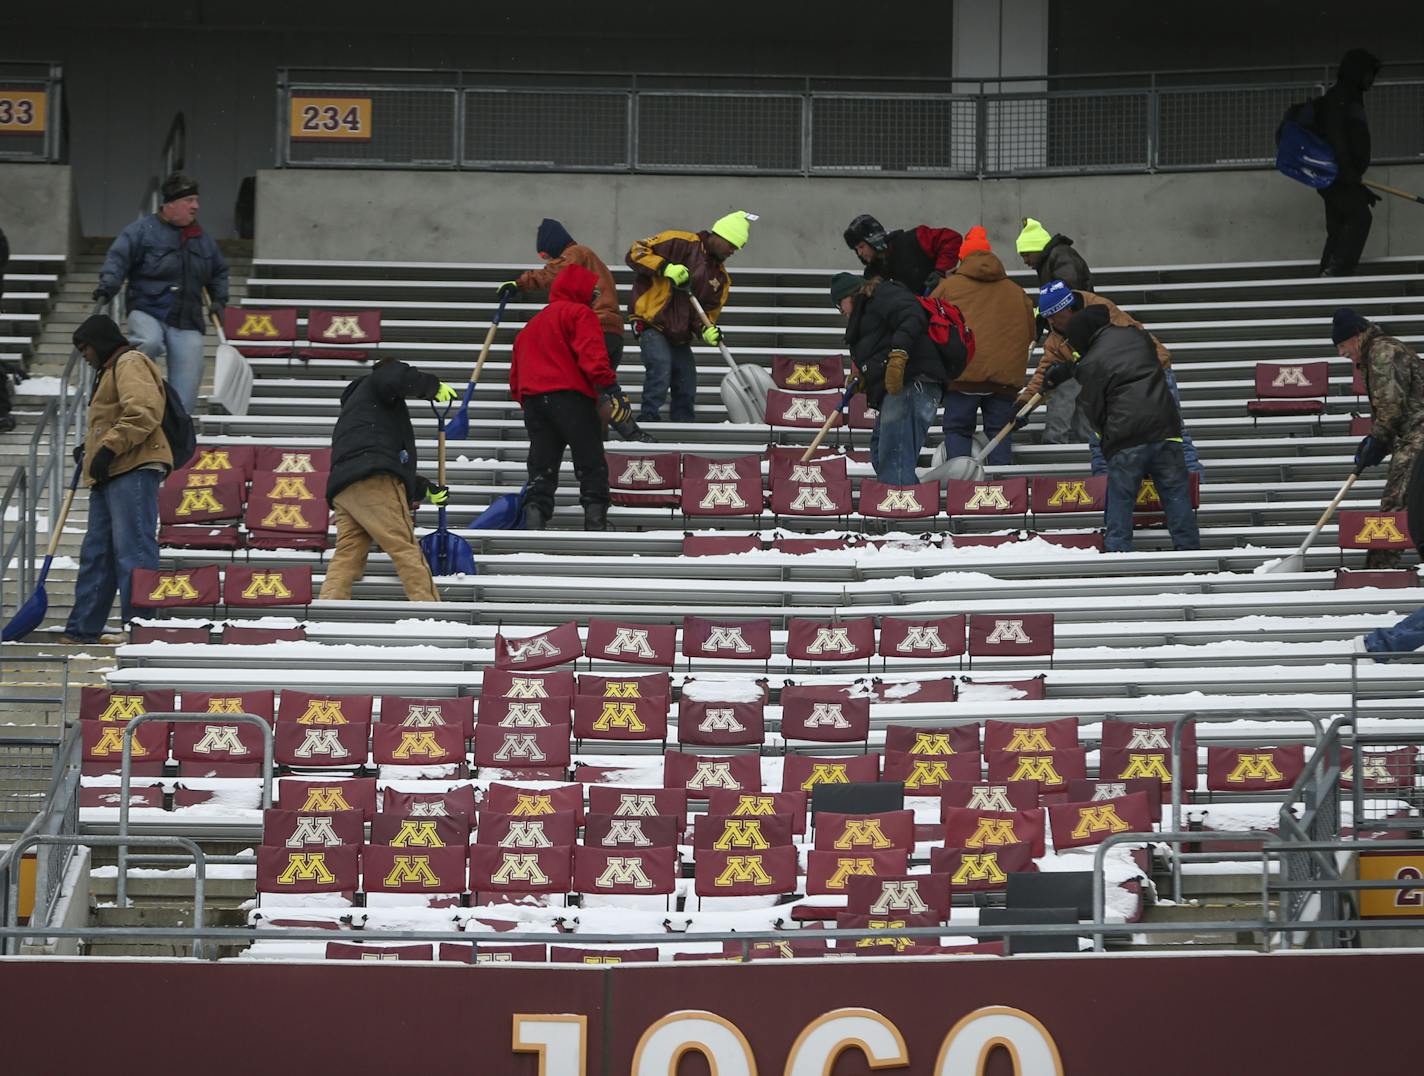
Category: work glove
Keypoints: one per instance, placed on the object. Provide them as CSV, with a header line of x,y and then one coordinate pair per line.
x,y
79,453
99,466
445,393
1371,196
101,294
895,372
1058,373
678,274
217,309
712,336
437,495
614,406
1370,452
507,290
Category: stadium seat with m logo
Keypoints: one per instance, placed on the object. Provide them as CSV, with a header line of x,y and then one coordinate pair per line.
x,y
1290,389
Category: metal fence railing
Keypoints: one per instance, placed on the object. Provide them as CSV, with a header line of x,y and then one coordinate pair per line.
x,y
720,125
31,111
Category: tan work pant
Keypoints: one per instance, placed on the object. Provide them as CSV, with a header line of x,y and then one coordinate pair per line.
x,y
375,508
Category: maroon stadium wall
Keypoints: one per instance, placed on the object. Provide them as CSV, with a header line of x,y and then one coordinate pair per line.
x,y
1091,1014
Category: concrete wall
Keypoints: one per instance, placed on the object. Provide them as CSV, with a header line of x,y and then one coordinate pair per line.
x,y
1115,220
38,208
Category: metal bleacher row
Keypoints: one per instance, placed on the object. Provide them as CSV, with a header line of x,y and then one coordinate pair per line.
x,y
30,284
1258,659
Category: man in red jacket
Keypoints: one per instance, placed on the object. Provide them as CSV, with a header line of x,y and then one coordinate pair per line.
x,y
561,377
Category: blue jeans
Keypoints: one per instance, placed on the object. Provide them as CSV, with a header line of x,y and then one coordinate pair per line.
x,y
183,349
1194,463
665,363
122,536
1407,635
961,409
900,432
1164,461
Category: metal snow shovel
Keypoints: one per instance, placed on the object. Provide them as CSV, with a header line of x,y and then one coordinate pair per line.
x,y
831,419
971,468
31,615
744,381
1296,561
446,553
459,426
232,374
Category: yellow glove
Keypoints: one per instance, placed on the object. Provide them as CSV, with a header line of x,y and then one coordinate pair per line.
x,y
438,495
445,393
712,336
678,274
895,372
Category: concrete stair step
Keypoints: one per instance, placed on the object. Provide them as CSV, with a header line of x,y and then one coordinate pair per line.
x,y
150,889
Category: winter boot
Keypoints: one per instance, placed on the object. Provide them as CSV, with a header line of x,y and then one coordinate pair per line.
x,y
595,518
534,518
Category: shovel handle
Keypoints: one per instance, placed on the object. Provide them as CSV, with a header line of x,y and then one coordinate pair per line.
x,y
1394,191
1032,402
489,338
831,420
58,532
1329,511
440,417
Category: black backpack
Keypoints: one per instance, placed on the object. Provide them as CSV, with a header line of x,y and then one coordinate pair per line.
x,y
178,427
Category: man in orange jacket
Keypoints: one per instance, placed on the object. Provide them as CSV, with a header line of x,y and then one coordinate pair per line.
x,y
557,249
560,376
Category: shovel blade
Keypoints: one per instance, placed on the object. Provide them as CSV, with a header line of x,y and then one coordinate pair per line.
x,y
1288,565
458,428
28,617
965,469
232,380
447,554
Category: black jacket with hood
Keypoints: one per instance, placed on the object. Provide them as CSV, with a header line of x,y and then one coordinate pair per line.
x,y
886,317
1124,389
1061,261
373,434
1340,114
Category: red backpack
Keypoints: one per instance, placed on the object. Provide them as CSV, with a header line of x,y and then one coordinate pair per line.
x,y
953,338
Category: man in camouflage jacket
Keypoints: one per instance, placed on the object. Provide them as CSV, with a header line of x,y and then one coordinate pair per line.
x,y
1394,380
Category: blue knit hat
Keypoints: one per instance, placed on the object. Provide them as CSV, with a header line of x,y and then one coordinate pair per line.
x,y
552,238
1346,324
1053,297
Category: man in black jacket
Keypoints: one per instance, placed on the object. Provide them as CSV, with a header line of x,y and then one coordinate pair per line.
x,y
918,258
1340,120
373,480
1126,399
903,373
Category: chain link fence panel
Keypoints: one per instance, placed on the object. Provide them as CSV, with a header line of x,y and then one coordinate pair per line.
x,y
1222,128
725,132
410,128
555,130
893,135
1396,115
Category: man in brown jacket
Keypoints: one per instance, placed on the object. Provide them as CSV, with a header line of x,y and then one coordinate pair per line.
x,y
556,248
1001,315
124,458
1057,303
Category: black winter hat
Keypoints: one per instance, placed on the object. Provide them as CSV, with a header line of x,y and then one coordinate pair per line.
x,y
100,333
866,229
1346,324
552,238
178,185
1084,325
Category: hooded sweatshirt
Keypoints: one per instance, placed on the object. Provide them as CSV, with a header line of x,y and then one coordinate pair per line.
x,y
1340,114
553,239
562,349
1001,315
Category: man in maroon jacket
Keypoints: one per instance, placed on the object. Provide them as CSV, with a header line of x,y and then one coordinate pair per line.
x,y
561,377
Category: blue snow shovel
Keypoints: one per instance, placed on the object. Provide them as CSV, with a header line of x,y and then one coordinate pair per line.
x,y
446,553
459,427
31,615
504,513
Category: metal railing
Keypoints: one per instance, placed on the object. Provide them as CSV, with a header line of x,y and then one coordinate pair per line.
x,y
32,95
58,818
170,159
721,124
126,777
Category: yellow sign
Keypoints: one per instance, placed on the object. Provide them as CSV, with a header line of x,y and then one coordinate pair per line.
x,y
331,119
1389,903
22,112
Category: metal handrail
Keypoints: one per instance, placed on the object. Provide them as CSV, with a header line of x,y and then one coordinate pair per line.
x,y
20,541
126,773
1178,777
56,803
200,879
171,159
